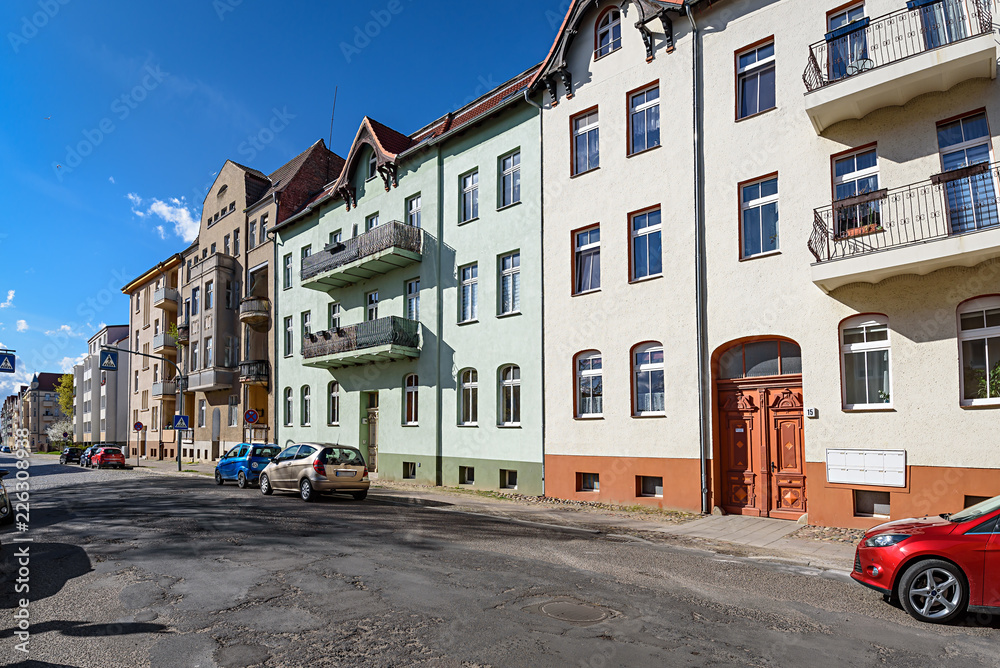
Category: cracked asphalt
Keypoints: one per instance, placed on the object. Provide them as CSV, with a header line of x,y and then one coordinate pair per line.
x,y
137,569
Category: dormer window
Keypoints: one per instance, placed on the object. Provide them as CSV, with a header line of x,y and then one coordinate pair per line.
x,y
222,191
609,34
372,166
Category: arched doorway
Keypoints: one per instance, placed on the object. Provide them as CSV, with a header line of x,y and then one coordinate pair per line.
x,y
759,406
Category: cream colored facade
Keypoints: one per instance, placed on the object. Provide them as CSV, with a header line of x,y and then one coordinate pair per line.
x,y
916,283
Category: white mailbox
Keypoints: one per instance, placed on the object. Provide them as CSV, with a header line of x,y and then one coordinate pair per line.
x,y
881,468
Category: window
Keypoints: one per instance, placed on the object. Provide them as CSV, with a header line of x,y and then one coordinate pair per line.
x,y
208,352
647,367
201,412
156,379
586,144
761,358
286,271
371,306
138,301
252,235
156,327
510,179
212,251
755,80
371,222
644,120
333,315
510,283
759,217
470,293
333,403
609,34
979,335
466,475
306,405
288,407
510,396
230,295
413,211
469,410
372,166
871,504
647,252
649,485
263,228
590,385
864,348
409,470
136,389
588,482
413,299
236,242
411,400
848,53
306,251
943,23
234,409
470,197
853,175
210,295
194,356
306,321
587,260
508,479
195,300
289,335
972,202
155,413
232,207
336,237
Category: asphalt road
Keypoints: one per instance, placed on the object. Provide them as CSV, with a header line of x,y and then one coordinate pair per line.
x,y
140,569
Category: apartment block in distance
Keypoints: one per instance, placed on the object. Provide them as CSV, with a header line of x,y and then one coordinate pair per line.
x,y
101,397
40,409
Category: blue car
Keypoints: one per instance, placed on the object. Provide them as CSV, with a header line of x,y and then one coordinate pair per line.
x,y
244,463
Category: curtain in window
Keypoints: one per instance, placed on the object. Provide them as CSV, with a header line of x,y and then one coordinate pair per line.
x,y
943,23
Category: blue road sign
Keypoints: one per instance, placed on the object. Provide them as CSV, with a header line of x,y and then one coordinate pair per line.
x,y
7,362
109,360
181,422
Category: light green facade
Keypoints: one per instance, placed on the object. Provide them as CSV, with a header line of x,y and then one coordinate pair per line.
x,y
438,444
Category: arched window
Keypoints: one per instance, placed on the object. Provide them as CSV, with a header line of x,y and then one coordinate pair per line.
x,y
609,33
333,403
979,336
647,375
761,358
469,398
589,384
864,355
288,407
306,401
510,396
411,400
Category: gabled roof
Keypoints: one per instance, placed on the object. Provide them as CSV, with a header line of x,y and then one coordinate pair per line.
x,y
281,177
383,140
46,381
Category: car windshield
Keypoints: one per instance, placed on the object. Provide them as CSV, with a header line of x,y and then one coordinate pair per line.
x,y
265,451
977,511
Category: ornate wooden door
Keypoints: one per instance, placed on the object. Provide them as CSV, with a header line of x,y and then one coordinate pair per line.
x,y
741,450
785,453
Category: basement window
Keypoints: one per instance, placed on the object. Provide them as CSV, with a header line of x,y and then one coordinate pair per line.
x,y
649,485
588,482
975,500
466,475
508,479
871,504
409,470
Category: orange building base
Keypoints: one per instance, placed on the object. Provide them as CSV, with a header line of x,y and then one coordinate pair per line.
x,y
619,480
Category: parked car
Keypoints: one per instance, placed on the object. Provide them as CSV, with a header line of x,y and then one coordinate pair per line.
x,y
85,455
937,567
107,457
6,507
312,469
244,463
5,448
70,454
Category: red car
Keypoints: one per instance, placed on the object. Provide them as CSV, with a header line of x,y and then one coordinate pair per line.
x,y
937,567
108,457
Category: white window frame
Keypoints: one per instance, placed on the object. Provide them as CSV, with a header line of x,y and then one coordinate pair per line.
x,y
854,177
754,69
333,315
371,306
469,204
583,125
640,112
865,323
513,175
286,272
413,211
759,203
289,407
234,410
372,167
987,304
588,357
510,276
333,404
582,250
468,413
371,222
305,408
306,323
607,26
648,368
411,400
289,336
413,299
202,409
637,235
510,388
209,360
469,293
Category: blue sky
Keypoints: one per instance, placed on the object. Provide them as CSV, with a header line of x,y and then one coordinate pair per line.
x,y
140,103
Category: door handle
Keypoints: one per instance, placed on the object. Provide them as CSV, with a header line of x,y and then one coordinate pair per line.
x,y
773,467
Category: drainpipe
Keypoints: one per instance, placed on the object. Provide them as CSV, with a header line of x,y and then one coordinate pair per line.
x,y
541,245
438,390
701,287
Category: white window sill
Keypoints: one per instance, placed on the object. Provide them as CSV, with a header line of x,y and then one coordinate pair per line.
x,y
650,496
979,403
649,415
468,425
645,278
591,416
468,322
509,426
470,220
508,206
586,292
760,255
409,424
869,408
332,424
508,315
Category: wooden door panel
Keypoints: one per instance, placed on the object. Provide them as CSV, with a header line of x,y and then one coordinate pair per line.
x,y
786,452
740,454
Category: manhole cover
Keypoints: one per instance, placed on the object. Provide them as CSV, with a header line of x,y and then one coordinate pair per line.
x,y
576,613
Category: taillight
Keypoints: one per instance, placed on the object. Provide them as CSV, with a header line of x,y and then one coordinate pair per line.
x,y
365,474
318,467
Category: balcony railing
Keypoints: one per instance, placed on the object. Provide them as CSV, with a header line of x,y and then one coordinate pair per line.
x,y
391,331
164,388
392,234
183,331
163,340
166,298
254,372
868,44
955,202
255,311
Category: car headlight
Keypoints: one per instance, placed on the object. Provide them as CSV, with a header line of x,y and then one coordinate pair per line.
x,y
4,510
886,540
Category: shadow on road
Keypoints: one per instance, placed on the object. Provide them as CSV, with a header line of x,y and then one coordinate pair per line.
x,y
88,630
51,566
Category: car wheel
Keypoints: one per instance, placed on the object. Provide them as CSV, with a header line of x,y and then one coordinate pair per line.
x,y
360,496
218,478
934,591
100,466
241,480
306,490
62,460
265,485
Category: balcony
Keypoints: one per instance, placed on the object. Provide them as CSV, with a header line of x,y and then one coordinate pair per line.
x,y
379,251
256,372
255,312
385,339
166,388
206,380
166,299
950,220
888,61
183,332
163,341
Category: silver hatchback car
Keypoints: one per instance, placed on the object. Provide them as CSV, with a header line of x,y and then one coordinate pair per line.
x,y
311,469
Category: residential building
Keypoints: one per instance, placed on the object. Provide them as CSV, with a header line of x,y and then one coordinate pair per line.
x,y
409,301
40,409
100,398
7,413
717,359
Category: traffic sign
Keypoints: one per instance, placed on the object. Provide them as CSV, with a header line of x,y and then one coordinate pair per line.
x,y
251,416
109,360
7,362
138,426
65,434
181,422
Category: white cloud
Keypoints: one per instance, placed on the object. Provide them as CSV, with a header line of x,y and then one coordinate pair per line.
x,y
159,230
10,300
135,199
111,179
64,329
22,326
184,222
67,363
11,383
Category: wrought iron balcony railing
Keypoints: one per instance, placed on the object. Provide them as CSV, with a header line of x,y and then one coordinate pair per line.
x,y
255,371
868,44
255,310
374,333
955,202
392,234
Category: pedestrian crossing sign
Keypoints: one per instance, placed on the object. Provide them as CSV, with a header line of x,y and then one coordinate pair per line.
x,y
109,360
7,362
181,422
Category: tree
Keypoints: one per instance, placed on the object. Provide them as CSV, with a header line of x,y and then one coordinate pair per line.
x,y
56,431
66,393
